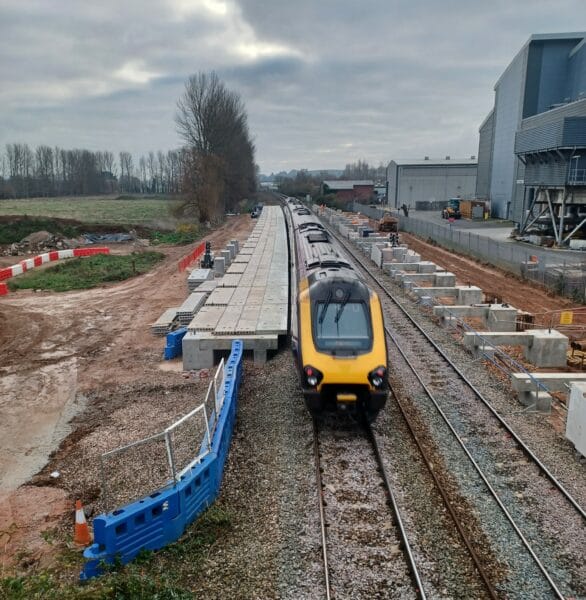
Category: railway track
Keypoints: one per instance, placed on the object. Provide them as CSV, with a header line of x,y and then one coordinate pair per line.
x,y
365,548
485,458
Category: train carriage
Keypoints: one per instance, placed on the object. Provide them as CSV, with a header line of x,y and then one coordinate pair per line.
x,y
338,334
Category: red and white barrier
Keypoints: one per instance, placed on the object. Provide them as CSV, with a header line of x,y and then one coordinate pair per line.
x,y
30,263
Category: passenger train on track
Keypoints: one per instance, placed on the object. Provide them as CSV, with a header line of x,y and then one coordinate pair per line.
x,y
338,335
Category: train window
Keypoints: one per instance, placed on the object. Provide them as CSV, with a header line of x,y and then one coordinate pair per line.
x,y
343,326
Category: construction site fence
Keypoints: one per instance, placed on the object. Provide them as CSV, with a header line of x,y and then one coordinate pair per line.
x,y
565,275
190,456
191,257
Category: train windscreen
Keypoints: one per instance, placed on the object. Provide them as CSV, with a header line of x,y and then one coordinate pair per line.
x,y
343,326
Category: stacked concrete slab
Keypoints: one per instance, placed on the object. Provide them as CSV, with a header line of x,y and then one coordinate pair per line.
x,y
250,302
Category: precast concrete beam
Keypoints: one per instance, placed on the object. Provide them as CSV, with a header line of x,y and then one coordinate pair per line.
x,y
436,292
554,382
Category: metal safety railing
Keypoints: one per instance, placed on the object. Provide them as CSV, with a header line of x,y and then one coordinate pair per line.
x,y
160,460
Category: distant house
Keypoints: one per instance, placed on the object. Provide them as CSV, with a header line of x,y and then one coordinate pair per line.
x,y
348,191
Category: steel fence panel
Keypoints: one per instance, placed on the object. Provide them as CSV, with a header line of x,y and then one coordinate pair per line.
x,y
142,467
135,470
190,439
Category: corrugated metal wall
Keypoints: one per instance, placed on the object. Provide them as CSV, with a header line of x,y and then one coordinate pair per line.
x,y
485,157
430,184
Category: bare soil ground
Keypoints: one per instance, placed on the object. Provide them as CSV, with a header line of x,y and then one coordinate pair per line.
x,y
80,373
81,356
520,294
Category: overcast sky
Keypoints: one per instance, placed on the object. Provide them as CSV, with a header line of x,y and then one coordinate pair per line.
x,y
325,82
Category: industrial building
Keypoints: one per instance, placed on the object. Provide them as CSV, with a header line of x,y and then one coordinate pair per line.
x,y
420,183
349,190
532,147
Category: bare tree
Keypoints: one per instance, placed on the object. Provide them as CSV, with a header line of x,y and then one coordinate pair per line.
x,y
213,123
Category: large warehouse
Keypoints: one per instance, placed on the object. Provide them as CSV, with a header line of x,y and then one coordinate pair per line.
x,y
424,181
532,144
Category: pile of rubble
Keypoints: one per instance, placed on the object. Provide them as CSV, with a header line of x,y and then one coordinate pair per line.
x,y
43,241
39,242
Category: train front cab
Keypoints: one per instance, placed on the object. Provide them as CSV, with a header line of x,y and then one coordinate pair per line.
x,y
342,346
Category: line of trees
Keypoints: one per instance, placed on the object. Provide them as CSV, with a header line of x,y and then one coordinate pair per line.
x,y
47,171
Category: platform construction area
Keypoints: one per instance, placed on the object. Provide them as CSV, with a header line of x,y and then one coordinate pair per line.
x,y
250,302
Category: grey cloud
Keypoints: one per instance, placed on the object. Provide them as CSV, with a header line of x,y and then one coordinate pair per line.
x,y
374,80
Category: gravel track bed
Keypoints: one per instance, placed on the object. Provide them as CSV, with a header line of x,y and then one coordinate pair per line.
x,y
546,519
273,549
364,553
442,559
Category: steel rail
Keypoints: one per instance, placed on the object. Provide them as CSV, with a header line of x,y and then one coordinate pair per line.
x,y
560,487
447,502
481,474
476,392
320,501
397,515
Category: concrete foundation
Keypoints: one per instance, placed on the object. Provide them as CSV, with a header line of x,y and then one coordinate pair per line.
x,y
199,348
496,317
542,348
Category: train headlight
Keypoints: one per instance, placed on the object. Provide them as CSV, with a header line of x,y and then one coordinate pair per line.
x,y
378,377
312,376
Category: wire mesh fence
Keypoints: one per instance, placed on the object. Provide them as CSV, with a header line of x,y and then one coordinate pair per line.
x,y
565,275
142,467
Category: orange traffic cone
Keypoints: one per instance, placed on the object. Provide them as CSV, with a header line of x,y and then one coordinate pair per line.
x,y
82,534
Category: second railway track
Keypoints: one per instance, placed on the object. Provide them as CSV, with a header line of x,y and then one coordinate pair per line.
x,y
536,561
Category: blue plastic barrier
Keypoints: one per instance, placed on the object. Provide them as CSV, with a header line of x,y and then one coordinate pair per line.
x,y
174,345
161,518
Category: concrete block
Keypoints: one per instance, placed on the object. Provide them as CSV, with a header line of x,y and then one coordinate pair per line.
x,y
469,295
227,257
541,400
219,266
426,266
236,245
387,254
399,254
548,348
500,318
232,250
541,347
444,279
412,257
427,301
376,254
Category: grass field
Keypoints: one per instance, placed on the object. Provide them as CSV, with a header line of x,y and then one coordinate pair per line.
x,y
84,273
127,211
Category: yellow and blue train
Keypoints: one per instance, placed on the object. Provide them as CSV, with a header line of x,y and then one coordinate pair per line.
x,y
338,335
